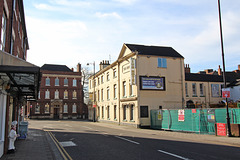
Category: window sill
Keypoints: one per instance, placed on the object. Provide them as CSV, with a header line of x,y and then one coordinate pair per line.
x,y
132,121
202,96
124,120
115,119
194,96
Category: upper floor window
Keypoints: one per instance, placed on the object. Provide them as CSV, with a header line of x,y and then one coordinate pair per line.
x,y
201,89
65,94
162,62
65,82
130,90
3,31
98,94
108,93
194,89
98,81
186,89
114,73
56,94
39,95
12,45
74,94
75,83
47,94
115,91
124,89
56,82
101,79
47,82
102,94
108,78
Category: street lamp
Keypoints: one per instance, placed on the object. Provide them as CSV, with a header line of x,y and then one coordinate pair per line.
x,y
224,75
93,104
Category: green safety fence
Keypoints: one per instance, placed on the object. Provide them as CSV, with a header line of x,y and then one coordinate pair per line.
x,y
200,121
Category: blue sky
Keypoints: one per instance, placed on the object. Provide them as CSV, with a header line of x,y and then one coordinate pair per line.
x,y
80,31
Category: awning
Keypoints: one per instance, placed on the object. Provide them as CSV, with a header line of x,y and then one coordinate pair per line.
x,y
19,77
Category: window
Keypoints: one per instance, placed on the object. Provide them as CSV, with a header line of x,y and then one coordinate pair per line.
x,y
108,112
74,95
115,91
215,90
115,112
114,73
98,81
47,94
130,90
186,89
101,79
131,112
102,112
46,109
47,82
124,112
162,62
74,108
108,93
65,108
56,94
37,109
201,89
102,94
144,111
65,82
12,45
108,79
124,89
194,89
3,31
98,95
65,94
56,82
90,84
75,83
39,95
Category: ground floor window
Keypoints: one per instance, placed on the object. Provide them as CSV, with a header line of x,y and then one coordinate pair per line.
x,y
74,108
143,111
124,112
46,108
37,109
102,111
108,112
115,111
65,108
131,112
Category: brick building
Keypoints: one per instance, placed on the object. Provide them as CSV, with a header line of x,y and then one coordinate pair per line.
x,y
60,95
19,80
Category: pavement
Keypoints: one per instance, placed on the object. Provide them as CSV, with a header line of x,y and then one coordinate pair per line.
x,y
39,144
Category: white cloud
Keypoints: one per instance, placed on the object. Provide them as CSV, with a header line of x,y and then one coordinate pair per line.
x,y
105,15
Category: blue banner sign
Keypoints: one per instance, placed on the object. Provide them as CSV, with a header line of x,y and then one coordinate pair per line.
x,y
152,83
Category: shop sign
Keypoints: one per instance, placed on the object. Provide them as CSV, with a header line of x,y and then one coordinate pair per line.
x,y
181,115
211,115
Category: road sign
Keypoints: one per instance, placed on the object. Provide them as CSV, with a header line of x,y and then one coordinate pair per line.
x,y
181,115
226,92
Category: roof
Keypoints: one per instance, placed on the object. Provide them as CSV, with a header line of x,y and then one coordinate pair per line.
x,y
206,77
154,50
55,67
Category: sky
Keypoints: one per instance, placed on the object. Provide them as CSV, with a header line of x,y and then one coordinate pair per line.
x,y
68,32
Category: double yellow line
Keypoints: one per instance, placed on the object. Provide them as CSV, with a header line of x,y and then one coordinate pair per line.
x,y
63,152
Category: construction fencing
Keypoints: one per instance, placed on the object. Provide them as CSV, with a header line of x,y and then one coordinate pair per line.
x,y
200,121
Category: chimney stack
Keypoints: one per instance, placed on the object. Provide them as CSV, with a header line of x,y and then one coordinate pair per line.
x,y
79,68
187,68
219,70
104,64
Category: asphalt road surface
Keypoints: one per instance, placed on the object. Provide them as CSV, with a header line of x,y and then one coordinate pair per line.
x,y
99,141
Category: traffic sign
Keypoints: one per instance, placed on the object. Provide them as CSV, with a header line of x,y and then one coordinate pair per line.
x,y
226,92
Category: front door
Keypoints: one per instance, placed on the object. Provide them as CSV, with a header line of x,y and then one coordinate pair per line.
x,y
56,113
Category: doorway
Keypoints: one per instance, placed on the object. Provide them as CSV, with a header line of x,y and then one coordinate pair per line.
x,y
56,113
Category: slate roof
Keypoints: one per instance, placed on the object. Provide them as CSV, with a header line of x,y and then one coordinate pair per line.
x,y
206,77
55,67
154,50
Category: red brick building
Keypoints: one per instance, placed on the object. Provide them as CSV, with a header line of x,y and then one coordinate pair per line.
x,y
60,95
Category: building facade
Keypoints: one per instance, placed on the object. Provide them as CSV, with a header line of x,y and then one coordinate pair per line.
x,y
143,78
15,89
146,78
60,95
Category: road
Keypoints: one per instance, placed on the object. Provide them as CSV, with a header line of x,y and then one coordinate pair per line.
x,y
89,141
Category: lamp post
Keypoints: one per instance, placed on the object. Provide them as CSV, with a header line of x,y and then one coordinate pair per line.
x,y
93,104
224,75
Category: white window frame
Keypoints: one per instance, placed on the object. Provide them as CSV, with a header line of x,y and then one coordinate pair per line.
x,y
47,94
75,83
56,94
65,108
74,108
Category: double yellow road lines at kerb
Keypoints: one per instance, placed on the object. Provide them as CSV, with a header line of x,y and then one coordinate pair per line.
x,y
63,152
